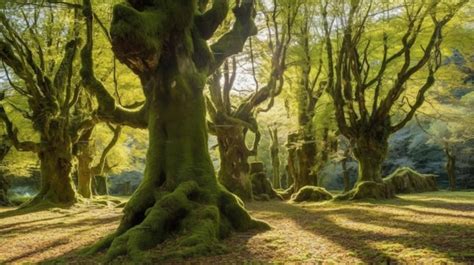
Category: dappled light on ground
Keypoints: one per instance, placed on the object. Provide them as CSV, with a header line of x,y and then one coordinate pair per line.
x,y
424,228
41,235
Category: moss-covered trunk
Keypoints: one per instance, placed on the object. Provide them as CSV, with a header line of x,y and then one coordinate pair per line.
x,y
179,196
301,161
370,152
56,160
234,167
84,175
165,44
100,185
85,155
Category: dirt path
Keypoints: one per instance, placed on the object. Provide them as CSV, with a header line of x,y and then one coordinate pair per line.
x,y
426,228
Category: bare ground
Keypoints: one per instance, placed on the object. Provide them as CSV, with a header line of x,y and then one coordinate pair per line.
x,y
428,228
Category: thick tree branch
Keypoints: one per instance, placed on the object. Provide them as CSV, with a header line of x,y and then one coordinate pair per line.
x,y
108,109
233,41
209,21
12,134
99,168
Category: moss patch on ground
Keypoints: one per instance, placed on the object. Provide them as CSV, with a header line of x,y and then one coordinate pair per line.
x,y
427,228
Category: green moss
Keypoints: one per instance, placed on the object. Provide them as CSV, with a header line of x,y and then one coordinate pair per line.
x,y
312,193
368,190
406,180
262,188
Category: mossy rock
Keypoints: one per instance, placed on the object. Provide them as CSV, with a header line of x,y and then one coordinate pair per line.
x,y
407,180
311,194
368,190
262,188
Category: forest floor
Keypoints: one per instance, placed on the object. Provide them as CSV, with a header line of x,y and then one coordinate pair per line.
x,y
423,228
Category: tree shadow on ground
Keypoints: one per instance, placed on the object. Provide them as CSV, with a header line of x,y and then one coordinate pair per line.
x,y
442,238
371,231
76,224
428,203
43,248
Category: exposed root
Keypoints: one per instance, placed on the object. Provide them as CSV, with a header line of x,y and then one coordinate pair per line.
x,y
311,193
406,180
47,201
194,219
286,194
368,190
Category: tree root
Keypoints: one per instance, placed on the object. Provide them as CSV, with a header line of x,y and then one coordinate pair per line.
x,y
193,218
368,190
311,194
406,180
46,200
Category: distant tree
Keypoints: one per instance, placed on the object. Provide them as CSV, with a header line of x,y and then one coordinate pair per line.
x,y
368,122
38,51
231,118
85,153
165,44
303,144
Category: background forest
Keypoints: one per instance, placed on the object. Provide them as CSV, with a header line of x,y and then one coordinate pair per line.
x,y
181,111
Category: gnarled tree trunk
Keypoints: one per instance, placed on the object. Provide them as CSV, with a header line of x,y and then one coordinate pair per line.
x,y
370,151
234,167
56,160
164,43
301,160
179,192
100,185
85,156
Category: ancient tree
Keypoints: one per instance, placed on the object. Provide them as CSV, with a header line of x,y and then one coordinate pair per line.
x,y
302,144
352,76
231,124
165,43
89,175
50,87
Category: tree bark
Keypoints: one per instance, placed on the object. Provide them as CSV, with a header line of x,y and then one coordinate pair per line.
x,y
56,162
301,160
179,197
179,186
370,151
234,167
100,185
85,156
